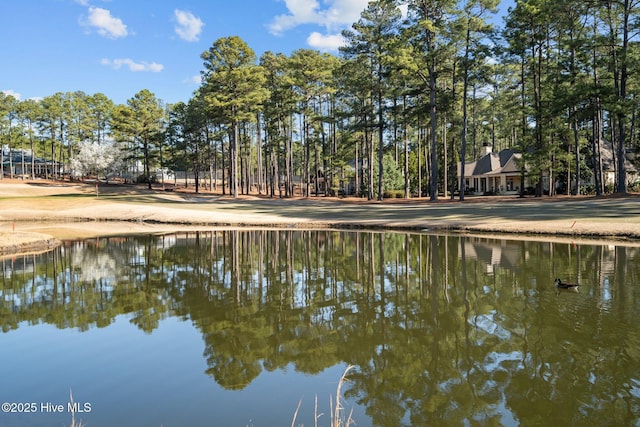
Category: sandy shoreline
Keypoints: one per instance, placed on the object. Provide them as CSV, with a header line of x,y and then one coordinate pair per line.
x,y
25,242
38,214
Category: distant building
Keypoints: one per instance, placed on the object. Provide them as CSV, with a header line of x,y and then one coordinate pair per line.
x,y
18,162
500,173
494,173
608,165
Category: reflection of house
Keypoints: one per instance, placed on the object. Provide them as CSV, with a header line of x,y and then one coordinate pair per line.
x,y
494,172
492,253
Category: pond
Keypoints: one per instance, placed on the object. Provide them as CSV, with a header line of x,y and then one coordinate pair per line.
x,y
256,328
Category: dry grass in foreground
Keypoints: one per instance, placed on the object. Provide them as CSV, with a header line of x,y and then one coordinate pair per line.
x,y
73,412
339,418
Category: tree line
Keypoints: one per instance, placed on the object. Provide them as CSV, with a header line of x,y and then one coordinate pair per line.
x,y
414,90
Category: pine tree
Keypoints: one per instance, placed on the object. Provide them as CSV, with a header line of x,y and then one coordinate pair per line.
x,y
233,85
372,40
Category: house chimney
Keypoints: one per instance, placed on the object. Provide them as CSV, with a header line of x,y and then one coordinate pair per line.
x,y
486,148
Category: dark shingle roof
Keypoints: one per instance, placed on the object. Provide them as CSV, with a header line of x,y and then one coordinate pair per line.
x,y
491,163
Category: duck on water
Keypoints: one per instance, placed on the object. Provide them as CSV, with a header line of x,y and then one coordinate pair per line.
x,y
564,285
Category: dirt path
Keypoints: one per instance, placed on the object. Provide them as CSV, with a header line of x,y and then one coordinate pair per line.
x,y
63,210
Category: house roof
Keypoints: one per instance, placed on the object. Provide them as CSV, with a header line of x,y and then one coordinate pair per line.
x,y
493,164
487,164
506,162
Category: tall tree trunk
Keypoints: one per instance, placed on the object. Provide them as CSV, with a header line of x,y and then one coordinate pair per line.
x,y
1,162
537,90
445,155
419,159
465,120
405,134
357,169
307,155
380,136
621,186
289,159
523,126
433,183
595,148
233,158
260,181
196,167
574,123
369,154
33,153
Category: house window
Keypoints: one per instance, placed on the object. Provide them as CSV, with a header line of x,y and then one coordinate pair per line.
x,y
509,184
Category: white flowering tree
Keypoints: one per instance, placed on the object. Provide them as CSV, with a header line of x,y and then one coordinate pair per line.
x,y
99,159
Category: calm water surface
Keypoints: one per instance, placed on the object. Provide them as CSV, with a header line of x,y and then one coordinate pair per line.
x,y
236,328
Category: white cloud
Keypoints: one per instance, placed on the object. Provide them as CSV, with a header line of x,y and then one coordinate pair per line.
x,y
106,24
18,96
11,92
189,26
331,42
133,66
197,79
337,14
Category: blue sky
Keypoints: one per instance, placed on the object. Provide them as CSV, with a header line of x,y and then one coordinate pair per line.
x,y
119,47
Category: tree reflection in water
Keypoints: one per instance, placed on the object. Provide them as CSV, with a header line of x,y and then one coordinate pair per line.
x,y
443,330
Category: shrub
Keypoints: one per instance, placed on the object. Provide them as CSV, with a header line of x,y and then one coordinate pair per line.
x,y
393,194
144,179
588,190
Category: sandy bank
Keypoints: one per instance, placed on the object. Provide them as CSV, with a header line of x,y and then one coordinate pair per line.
x,y
64,211
25,242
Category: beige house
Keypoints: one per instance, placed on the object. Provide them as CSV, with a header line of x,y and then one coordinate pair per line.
x,y
500,173
493,173
609,167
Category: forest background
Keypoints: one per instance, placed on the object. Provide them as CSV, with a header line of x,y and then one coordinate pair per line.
x,y
413,91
